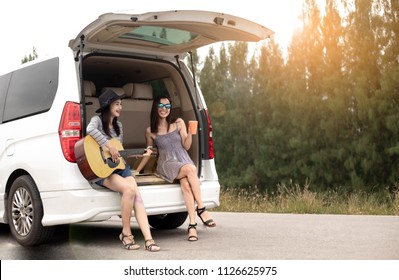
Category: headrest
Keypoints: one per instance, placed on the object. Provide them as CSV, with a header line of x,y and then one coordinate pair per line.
x,y
89,88
128,90
142,91
119,91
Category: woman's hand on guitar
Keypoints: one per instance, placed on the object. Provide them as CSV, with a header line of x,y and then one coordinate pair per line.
x,y
114,153
147,152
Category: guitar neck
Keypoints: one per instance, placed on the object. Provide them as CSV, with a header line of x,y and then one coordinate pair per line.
x,y
132,152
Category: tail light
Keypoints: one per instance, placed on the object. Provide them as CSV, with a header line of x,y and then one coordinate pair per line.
x,y
70,130
210,139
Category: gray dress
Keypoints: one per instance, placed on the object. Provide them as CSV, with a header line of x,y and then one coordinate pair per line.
x,y
172,155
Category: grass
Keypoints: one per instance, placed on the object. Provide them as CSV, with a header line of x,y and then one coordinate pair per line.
x,y
300,200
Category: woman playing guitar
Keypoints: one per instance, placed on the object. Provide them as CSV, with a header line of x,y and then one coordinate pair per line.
x,y
103,128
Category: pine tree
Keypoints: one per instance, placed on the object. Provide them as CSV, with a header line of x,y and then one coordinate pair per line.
x,y
32,56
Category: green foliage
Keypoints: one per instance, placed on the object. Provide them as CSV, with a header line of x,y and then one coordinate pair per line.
x,y
30,57
326,114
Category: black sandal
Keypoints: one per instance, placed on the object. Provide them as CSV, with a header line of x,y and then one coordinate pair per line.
x,y
192,237
151,245
131,245
208,223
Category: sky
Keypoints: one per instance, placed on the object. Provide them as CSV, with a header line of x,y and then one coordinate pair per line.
x,y
45,24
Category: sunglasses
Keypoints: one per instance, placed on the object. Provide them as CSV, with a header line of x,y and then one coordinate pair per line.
x,y
167,106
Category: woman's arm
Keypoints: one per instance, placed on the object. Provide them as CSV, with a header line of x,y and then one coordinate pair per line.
x,y
94,128
146,156
186,138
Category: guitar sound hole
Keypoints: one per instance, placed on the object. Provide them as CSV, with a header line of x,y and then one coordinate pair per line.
x,y
112,164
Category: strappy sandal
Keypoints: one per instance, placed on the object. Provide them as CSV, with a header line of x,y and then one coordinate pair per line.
x,y
208,223
152,247
192,237
128,245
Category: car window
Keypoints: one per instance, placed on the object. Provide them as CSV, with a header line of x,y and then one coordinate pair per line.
x,y
159,35
4,81
32,90
159,89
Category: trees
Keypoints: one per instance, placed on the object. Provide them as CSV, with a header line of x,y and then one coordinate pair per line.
x,y
327,114
32,56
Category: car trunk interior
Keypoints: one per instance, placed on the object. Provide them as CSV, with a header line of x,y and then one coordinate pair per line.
x,y
140,80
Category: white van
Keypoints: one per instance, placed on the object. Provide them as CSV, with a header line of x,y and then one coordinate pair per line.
x,y
45,106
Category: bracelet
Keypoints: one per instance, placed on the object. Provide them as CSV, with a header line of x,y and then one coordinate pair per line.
x,y
149,147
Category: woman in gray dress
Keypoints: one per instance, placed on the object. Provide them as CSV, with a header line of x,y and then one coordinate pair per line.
x,y
173,141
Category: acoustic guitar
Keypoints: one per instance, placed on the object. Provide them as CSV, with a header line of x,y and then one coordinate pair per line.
x,y
95,162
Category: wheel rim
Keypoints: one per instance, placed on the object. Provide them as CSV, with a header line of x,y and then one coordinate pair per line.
x,y
22,211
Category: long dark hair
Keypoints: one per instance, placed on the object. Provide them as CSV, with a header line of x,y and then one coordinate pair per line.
x,y
104,120
155,116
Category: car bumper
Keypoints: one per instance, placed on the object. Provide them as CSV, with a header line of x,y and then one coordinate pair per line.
x,y
99,204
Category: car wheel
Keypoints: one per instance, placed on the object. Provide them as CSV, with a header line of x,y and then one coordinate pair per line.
x,y
167,221
25,213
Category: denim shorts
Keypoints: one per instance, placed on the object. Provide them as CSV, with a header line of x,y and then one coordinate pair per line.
x,y
124,173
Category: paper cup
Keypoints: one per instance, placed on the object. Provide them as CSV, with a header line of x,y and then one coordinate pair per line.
x,y
192,126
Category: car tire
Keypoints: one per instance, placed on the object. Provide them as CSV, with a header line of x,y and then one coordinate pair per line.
x,y
167,221
25,213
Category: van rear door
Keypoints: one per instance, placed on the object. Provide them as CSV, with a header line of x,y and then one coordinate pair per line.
x,y
166,34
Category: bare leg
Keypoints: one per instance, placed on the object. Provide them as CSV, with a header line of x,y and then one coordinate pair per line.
x,y
139,210
190,205
189,171
119,184
188,199
131,198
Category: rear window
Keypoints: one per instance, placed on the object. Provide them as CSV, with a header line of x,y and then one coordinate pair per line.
x,y
31,90
159,35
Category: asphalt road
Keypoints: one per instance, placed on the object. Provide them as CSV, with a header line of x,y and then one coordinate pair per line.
x,y
238,236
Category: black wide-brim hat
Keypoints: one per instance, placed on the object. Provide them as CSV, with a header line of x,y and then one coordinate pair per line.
x,y
106,98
